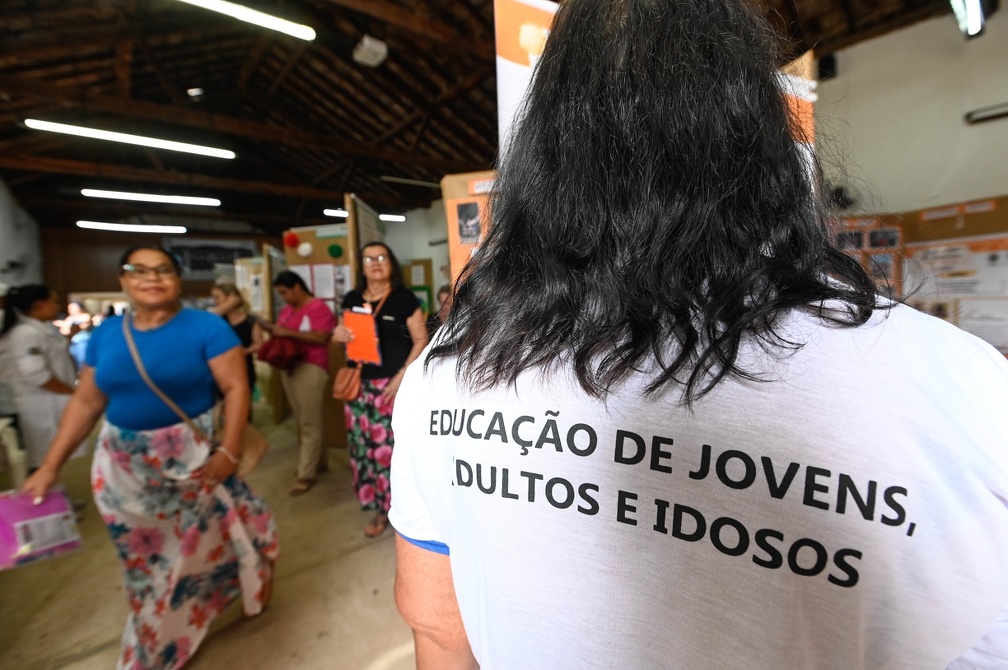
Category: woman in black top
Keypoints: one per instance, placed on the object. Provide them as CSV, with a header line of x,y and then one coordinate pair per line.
x,y
402,335
229,304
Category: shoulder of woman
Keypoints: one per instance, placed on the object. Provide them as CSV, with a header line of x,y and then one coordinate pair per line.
x,y
406,295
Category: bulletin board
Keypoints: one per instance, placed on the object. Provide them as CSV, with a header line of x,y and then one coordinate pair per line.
x,y
467,210
877,243
956,266
321,256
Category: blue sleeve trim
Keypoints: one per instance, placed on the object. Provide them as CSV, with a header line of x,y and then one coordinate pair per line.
x,y
436,547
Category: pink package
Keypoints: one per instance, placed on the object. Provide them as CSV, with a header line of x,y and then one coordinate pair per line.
x,y
30,532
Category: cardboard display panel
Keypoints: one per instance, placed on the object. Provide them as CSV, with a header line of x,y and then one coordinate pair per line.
x,y
467,210
877,243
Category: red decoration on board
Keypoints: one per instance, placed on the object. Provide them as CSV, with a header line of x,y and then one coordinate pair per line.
x,y
290,239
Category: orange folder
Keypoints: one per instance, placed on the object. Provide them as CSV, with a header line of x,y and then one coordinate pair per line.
x,y
363,348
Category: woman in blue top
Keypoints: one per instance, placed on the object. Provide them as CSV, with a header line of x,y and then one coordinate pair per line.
x,y
191,536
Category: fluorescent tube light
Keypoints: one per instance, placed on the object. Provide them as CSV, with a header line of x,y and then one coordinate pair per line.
x,y
129,227
974,17
998,111
125,138
257,18
392,217
336,212
971,15
150,197
411,182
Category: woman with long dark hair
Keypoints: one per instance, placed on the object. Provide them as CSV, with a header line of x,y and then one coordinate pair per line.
x,y
667,424
191,536
37,365
402,335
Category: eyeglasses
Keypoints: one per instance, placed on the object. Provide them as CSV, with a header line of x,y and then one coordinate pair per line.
x,y
380,258
137,271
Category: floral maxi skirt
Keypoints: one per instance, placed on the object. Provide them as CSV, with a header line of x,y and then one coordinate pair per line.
x,y
370,442
187,551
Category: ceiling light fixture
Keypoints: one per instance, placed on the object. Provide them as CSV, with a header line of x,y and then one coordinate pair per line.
x,y
982,114
195,92
399,218
263,20
411,182
129,227
151,197
370,51
336,212
125,138
971,15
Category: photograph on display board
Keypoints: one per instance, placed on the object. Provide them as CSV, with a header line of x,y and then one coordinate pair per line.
x,y
849,239
468,222
884,238
881,267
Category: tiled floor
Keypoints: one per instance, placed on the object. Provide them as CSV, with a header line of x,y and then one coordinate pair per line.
x,y
332,605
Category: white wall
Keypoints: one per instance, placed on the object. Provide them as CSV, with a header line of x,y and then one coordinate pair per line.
x,y
412,240
20,248
893,117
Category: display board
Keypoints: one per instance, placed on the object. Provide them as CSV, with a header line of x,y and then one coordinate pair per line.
x,y
321,256
965,282
876,243
467,211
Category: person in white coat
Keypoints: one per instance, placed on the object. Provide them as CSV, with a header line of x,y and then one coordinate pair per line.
x,y
36,365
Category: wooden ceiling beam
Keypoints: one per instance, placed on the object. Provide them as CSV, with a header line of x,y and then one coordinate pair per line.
x,y
167,84
74,97
65,41
281,76
463,87
124,66
86,169
408,20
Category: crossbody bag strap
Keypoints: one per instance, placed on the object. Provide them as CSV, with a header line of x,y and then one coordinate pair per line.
x,y
382,301
131,345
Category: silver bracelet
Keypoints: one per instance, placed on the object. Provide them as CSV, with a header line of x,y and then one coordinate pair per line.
x,y
230,456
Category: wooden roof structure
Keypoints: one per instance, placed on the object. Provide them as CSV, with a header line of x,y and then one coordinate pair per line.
x,y
306,121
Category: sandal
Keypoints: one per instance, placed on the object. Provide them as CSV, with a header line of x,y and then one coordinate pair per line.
x,y
265,593
302,486
377,525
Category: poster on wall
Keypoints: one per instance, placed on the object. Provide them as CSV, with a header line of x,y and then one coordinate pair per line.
x,y
877,245
963,281
467,223
521,28
199,257
963,268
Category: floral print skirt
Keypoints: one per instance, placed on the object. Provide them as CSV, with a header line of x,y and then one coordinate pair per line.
x,y
187,551
370,442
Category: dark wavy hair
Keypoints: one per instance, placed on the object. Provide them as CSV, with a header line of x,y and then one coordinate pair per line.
x,y
652,209
396,280
289,279
20,300
172,258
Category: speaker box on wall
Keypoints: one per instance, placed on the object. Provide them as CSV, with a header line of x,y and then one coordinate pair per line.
x,y
827,67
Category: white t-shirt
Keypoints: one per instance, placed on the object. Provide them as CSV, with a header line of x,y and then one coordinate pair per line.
x,y
849,513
